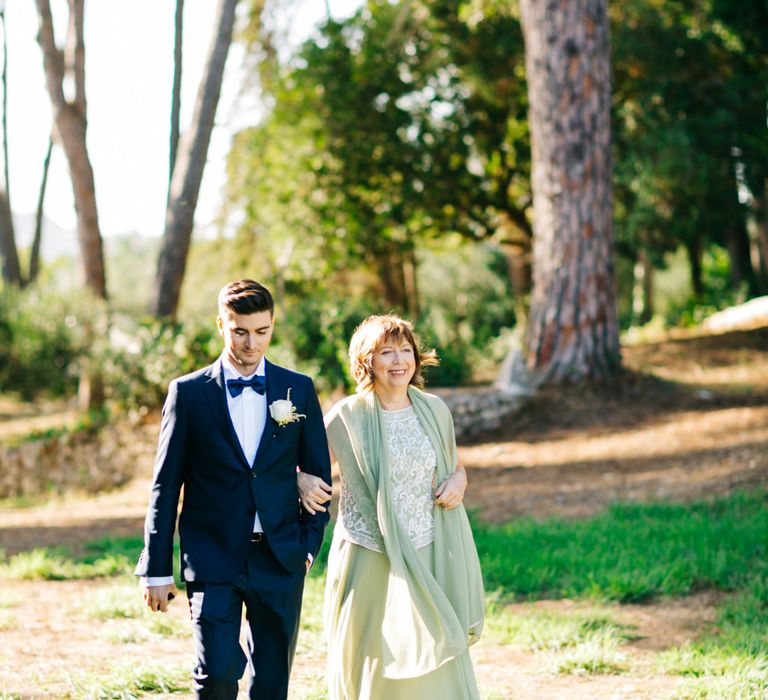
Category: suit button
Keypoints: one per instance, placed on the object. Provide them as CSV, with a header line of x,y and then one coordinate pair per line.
x,y
254,475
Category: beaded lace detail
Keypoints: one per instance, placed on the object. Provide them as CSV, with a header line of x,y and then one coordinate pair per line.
x,y
412,472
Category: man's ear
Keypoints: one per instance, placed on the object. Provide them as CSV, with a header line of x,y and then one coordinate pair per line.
x,y
220,325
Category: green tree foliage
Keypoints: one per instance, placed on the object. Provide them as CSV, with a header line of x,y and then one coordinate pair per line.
x,y
404,122
689,119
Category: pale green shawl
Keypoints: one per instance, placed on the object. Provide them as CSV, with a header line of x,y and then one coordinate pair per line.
x,y
429,619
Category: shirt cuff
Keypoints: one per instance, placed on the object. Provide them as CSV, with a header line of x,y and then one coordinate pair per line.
x,y
311,560
156,581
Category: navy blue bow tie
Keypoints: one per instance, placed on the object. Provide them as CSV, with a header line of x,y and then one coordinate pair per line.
x,y
257,383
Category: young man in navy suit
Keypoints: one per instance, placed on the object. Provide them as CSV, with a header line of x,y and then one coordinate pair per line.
x,y
232,437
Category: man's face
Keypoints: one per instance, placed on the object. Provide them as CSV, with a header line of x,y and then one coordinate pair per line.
x,y
246,338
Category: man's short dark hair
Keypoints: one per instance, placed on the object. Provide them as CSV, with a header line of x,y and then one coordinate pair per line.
x,y
245,297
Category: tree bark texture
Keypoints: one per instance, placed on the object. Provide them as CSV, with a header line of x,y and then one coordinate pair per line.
x,y
6,168
11,270
642,291
8,251
695,254
389,267
572,326
34,253
520,274
742,273
178,35
188,170
70,120
760,209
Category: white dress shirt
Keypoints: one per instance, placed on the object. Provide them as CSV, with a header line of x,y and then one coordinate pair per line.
x,y
248,412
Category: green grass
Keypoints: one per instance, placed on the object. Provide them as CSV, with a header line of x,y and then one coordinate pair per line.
x,y
545,630
8,621
114,602
731,661
491,694
320,692
583,641
55,564
630,553
102,558
596,653
25,501
8,599
130,680
127,618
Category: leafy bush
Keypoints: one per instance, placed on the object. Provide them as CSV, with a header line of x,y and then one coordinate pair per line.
x,y
467,294
137,359
318,332
41,340
718,291
469,303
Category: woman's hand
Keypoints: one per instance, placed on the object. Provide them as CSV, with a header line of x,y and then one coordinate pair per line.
x,y
313,492
451,492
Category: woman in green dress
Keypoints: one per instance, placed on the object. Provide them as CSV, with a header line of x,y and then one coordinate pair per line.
x,y
404,594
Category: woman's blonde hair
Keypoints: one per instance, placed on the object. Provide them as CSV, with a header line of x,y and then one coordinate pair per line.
x,y
370,335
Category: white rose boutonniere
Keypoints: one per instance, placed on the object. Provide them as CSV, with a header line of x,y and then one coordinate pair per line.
x,y
284,412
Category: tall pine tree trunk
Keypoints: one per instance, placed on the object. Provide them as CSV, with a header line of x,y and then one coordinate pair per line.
x,y
8,252
760,210
34,253
695,254
188,169
642,290
737,241
70,119
572,326
176,91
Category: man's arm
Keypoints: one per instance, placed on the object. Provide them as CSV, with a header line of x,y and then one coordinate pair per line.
x,y
160,524
314,459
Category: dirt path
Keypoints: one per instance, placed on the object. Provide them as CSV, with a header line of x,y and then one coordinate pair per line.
x,y
53,644
689,420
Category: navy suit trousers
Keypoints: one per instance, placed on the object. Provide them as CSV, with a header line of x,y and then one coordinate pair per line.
x,y
272,598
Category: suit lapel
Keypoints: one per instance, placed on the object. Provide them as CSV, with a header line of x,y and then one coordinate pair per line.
x,y
275,390
215,393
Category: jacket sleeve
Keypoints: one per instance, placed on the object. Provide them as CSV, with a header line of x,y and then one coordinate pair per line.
x,y
314,459
160,524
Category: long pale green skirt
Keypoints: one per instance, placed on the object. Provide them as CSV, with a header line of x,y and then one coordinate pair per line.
x,y
355,594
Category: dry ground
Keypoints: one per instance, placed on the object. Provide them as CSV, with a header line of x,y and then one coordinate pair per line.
x,y
688,419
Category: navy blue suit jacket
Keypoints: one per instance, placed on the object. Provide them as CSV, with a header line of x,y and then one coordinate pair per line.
x,y
199,453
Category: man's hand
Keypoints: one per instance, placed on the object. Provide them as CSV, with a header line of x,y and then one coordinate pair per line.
x,y
313,492
451,492
158,597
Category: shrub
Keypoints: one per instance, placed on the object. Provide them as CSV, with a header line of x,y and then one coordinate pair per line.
x,y
41,340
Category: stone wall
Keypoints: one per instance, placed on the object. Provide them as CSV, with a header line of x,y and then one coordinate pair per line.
x,y
481,409
86,460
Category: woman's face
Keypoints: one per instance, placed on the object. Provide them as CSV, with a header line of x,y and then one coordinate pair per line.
x,y
394,364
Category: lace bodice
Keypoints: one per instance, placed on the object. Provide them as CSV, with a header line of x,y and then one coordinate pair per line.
x,y
411,472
